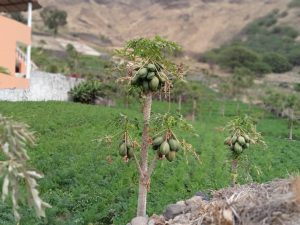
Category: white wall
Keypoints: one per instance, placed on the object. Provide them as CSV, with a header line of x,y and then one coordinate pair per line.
x,y
43,87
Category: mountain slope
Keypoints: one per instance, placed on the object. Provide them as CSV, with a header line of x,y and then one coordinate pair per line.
x,y
198,25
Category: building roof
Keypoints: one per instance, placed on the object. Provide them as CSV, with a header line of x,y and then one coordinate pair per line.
x,y
17,5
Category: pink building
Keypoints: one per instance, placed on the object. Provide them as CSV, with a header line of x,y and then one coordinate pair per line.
x,y
12,33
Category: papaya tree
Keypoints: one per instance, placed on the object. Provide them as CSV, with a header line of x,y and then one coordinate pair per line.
x,y
241,80
243,134
15,137
149,70
291,105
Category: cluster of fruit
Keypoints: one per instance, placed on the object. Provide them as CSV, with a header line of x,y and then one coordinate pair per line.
x,y
126,149
166,147
238,143
149,78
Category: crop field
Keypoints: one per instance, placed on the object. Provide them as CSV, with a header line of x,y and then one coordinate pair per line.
x,y
87,183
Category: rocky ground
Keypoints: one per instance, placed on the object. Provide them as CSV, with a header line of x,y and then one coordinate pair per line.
x,y
273,203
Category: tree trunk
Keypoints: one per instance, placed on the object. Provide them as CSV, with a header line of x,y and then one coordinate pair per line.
x,y
194,110
179,102
144,178
291,125
234,173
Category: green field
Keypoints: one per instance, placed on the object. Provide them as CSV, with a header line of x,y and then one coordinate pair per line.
x,y
86,183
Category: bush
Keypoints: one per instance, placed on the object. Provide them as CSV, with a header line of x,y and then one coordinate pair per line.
x,y
86,92
285,31
297,87
260,68
294,56
277,62
294,3
238,56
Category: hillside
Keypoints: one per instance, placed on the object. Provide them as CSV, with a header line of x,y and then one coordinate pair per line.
x,y
196,24
89,184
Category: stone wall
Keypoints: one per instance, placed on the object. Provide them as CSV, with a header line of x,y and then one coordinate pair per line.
x,y
43,87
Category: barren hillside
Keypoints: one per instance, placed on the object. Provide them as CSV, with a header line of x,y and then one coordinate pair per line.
x,y
197,24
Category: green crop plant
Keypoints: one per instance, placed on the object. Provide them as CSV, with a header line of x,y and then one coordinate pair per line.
x,y
14,138
243,133
149,71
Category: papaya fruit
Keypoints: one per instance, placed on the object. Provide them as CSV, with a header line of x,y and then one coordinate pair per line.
x,y
142,73
247,138
238,148
129,144
227,141
154,83
130,153
158,141
241,140
171,156
146,85
174,144
123,150
162,77
164,148
135,80
151,67
150,75
233,139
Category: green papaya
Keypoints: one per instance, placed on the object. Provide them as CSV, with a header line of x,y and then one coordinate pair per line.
x,y
154,83
123,150
151,67
247,138
129,144
233,139
150,75
174,144
143,73
164,148
227,141
171,156
241,140
135,80
162,77
158,141
238,148
130,153
146,85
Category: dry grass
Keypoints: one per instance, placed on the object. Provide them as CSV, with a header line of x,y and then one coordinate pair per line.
x,y
255,204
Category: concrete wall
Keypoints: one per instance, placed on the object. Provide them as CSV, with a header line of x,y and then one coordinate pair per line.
x,y
43,87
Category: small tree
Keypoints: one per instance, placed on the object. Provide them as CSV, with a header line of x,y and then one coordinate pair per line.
x,y
243,133
14,139
150,71
54,18
73,58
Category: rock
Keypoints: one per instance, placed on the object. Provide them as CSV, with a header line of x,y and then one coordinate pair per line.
x,y
151,222
139,221
194,202
174,210
204,196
